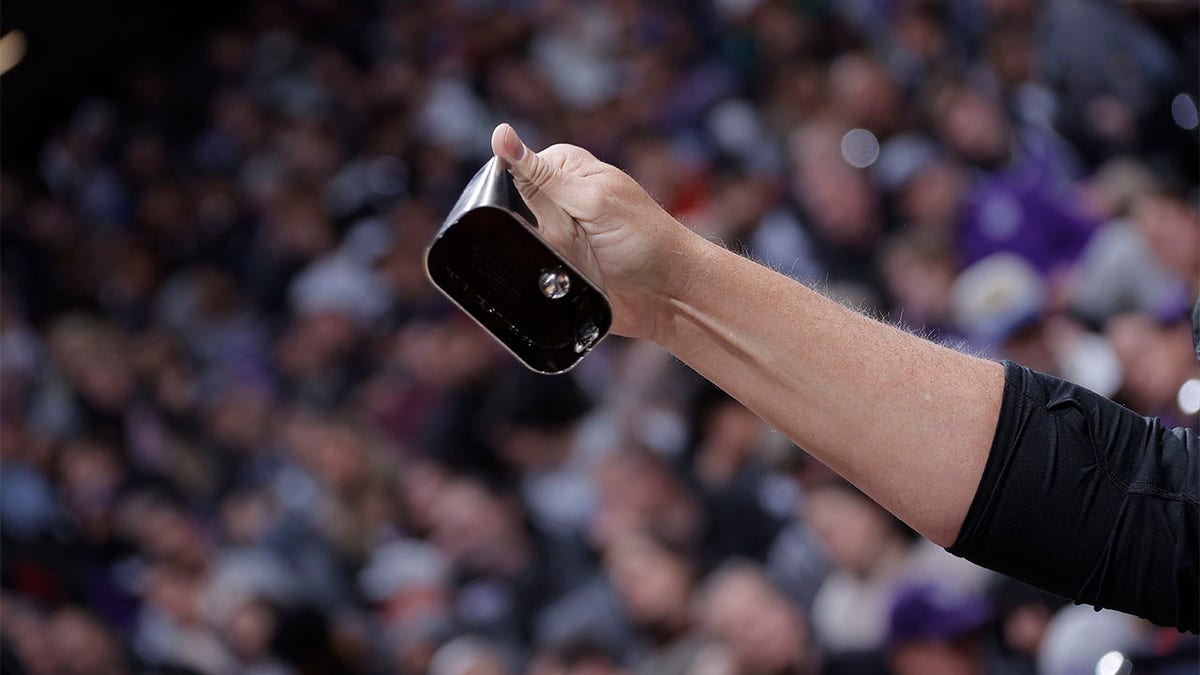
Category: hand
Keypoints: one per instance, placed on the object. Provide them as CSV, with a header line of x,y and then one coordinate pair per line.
x,y
604,223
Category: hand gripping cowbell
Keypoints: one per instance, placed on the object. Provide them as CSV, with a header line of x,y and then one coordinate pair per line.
x,y
491,261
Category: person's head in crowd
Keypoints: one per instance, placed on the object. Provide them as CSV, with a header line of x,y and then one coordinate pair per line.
x,y
298,228
928,189
1171,228
970,123
479,528
1010,54
408,585
446,354
531,419
82,645
921,33
797,90
727,436
1000,304
919,274
250,630
422,481
764,631
93,358
637,490
1023,614
858,535
937,631
67,641
239,419
166,531
654,581
341,454
24,636
248,516
174,593
842,205
361,499
409,581
134,276
91,475
864,94
664,172
739,202
1116,187
1156,359
402,270
782,33
314,349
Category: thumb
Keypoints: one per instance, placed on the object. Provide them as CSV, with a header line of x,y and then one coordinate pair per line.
x,y
534,175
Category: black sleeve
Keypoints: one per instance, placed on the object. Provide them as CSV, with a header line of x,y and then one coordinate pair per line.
x,y
1089,500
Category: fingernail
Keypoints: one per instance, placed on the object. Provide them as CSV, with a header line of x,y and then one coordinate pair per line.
x,y
513,145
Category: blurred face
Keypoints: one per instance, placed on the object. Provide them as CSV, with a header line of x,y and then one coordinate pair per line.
x,y
421,484
975,128
473,528
1031,347
920,284
639,493
93,356
932,199
730,436
1172,231
842,205
26,631
865,93
251,629
341,459
742,203
652,583
176,595
1025,627
763,631
82,646
166,533
1155,360
239,418
316,341
653,166
852,530
444,354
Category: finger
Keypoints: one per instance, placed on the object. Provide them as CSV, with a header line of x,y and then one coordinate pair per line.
x,y
553,222
534,174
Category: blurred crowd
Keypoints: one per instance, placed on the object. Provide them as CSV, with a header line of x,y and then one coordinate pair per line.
x,y
241,433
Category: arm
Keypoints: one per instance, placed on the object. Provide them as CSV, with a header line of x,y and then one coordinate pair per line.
x,y
909,422
1014,470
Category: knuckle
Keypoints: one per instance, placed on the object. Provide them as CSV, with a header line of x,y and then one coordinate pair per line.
x,y
541,173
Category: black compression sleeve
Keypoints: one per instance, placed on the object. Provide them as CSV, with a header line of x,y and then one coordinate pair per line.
x,y
1086,499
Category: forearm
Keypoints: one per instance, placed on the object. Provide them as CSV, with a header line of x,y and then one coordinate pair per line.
x,y
907,421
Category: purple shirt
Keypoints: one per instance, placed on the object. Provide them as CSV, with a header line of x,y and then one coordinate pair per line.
x,y
1025,209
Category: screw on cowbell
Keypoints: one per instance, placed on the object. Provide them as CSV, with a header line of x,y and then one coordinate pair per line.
x,y
554,283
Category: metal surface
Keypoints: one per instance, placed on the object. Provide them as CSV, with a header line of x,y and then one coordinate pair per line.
x,y
491,261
